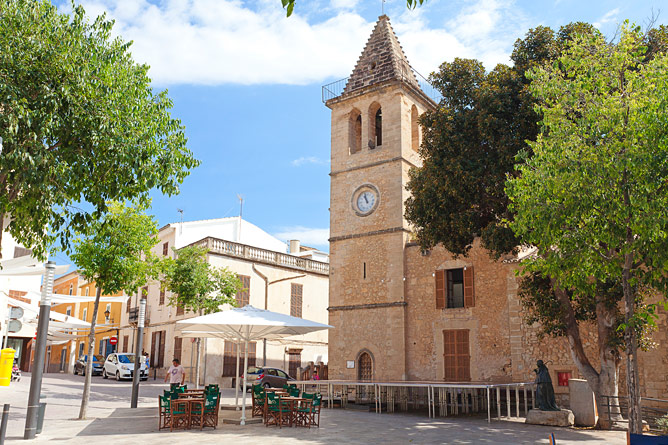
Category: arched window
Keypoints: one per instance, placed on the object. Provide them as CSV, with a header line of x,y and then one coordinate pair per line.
x,y
375,125
415,129
355,131
364,366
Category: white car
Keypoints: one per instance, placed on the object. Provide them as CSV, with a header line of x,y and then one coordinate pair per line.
x,y
121,365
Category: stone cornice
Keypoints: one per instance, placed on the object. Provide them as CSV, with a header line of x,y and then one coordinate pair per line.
x,y
354,307
373,164
372,233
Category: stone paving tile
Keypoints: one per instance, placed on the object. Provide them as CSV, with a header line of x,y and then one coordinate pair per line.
x,y
115,423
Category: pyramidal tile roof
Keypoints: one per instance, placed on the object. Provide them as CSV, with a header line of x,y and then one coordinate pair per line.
x,y
383,59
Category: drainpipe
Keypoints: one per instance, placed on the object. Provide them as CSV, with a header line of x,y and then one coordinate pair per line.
x,y
266,302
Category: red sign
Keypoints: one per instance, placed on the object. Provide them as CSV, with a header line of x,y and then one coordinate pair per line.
x,y
113,340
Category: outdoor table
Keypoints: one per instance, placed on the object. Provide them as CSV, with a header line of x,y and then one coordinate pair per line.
x,y
193,400
293,402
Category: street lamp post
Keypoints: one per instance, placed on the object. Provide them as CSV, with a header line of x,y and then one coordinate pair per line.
x,y
40,351
138,356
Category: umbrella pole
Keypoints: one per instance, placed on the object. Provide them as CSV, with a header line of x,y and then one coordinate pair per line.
x,y
236,381
243,397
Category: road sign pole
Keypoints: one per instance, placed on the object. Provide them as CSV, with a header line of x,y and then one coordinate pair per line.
x,y
138,356
40,351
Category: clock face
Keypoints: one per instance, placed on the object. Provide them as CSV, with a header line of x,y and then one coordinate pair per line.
x,y
365,199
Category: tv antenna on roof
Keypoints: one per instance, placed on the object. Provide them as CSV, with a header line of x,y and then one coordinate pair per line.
x,y
181,226
241,211
382,7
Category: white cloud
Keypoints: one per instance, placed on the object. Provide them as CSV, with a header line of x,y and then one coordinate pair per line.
x,y
307,160
211,42
607,18
307,235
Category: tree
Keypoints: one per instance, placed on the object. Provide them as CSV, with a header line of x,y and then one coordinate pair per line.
x,y
197,286
470,147
289,5
80,124
592,196
116,254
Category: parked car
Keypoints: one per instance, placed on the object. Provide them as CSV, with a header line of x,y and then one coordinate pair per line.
x,y
80,365
267,377
121,365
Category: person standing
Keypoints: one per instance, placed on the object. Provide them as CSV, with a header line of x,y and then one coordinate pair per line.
x,y
176,375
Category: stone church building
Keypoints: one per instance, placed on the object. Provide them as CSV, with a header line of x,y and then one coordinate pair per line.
x,y
400,313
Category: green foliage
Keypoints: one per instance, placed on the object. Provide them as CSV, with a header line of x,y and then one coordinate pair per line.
x,y
116,250
196,285
289,5
470,144
594,189
662,423
80,123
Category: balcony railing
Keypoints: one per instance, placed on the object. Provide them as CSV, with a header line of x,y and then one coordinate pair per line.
x,y
408,75
133,315
257,254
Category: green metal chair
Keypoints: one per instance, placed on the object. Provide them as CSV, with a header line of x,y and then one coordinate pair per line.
x,y
164,405
276,411
180,414
258,401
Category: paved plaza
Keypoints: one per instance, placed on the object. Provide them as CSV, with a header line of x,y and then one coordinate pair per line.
x,y
113,422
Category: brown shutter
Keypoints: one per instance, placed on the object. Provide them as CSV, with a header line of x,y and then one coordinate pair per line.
x,y
178,342
251,354
179,309
469,293
243,296
296,300
161,358
125,343
230,359
456,357
162,295
440,289
154,350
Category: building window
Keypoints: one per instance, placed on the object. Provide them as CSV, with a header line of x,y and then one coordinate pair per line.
x,y
364,366
456,357
355,131
415,129
294,363
87,291
243,296
71,289
81,349
126,341
68,311
128,303
165,249
162,295
563,377
230,358
454,288
158,349
179,310
296,300
85,314
375,125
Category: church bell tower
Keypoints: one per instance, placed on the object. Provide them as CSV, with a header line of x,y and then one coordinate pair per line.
x,y
375,139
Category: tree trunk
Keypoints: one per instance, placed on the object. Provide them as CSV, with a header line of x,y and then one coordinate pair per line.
x,y
631,343
605,382
89,362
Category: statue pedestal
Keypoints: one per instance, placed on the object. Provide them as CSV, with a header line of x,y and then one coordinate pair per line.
x,y
563,417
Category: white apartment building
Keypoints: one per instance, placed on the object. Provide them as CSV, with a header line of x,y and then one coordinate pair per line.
x,y
291,281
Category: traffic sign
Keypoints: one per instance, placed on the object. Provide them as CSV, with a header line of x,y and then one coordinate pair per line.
x,y
113,340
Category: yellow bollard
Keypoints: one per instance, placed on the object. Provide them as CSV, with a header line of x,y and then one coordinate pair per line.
x,y
6,365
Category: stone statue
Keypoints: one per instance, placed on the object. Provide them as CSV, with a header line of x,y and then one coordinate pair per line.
x,y
544,390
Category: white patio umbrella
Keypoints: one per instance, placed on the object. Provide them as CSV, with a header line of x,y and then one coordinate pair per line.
x,y
246,324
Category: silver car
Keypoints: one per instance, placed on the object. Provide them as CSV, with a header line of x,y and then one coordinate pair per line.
x,y
121,365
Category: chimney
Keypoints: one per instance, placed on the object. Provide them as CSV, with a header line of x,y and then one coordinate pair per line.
x,y
295,246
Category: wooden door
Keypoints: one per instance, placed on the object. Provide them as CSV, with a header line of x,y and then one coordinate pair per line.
x,y
365,367
456,356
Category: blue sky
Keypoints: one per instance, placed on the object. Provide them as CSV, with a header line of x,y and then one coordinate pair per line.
x,y
246,81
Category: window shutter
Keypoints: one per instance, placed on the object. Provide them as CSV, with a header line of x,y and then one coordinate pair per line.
x,y
125,343
161,358
469,292
162,295
154,350
463,357
440,289
178,342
